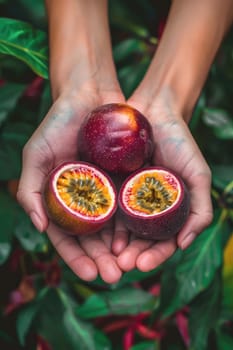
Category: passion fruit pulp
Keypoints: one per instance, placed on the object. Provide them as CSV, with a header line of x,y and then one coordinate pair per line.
x,y
154,203
79,198
116,137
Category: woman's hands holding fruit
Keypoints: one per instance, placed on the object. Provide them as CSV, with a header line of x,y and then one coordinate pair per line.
x,y
175,149
97,254
167,95
53,142
83,77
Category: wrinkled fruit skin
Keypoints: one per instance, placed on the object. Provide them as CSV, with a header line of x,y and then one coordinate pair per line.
x,y
63,218
116,137
162,226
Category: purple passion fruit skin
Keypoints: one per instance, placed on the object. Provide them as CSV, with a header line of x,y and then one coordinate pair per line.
x,y
117,138
79,198
154,203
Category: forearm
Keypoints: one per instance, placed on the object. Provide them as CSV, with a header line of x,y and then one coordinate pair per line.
x,y
79,42
192,36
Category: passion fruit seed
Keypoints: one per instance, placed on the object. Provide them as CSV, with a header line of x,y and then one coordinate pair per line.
x,y
151,193
79,198
83,192
154,203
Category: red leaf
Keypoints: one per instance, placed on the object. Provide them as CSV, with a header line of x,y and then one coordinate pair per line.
x,y
161,28
182,325
155,289
116,325
53,274
15,258
34,89
128,338
42,344
22,295
148,333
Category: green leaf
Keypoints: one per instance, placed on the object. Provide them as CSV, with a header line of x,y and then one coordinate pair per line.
x,y
146,345
135,276
227,300
204,314
46,102
220,121
195,270
126,48
21,40
127,278
197,114
130,75
7,219
78,331
224,340
12,139
6,339
29,237
125,301
9,96
35,11
123,17
5,249
27,315
221,175
102,342
98,339
168,278
58,324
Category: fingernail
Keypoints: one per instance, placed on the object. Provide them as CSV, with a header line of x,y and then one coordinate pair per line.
x,y
188,240
114,273
36,220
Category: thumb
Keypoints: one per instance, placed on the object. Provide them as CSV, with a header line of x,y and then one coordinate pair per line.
x,y
29,193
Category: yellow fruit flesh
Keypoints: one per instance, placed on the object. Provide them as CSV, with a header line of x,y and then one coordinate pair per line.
x,y
84,192
151,193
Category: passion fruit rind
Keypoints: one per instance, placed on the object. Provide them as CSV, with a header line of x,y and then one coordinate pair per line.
x,y
117,138
152,208
79,198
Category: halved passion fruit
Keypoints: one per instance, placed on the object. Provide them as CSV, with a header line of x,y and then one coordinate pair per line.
x,y
154,203
79,198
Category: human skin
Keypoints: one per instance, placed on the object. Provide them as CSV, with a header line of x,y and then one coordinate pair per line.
x,y
79,84
83,77
167,96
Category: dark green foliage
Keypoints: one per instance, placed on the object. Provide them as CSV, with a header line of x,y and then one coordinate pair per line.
x,y
42,302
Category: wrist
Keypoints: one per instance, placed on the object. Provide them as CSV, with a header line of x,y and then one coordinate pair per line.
x,y
77,43
168,90
185,52
83,75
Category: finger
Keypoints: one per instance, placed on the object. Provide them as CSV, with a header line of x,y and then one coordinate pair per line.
x,y
106,234
71,252
127,259
201,213
155,255
104,260
120,237
30,189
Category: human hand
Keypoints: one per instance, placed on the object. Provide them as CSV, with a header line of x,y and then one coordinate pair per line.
x,y
53,142
176,149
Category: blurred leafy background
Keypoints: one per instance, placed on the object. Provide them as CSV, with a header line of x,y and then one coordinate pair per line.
x,y
187,303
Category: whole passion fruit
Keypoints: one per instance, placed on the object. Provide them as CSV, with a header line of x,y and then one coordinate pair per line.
x,y
79,198
116,137
154,203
